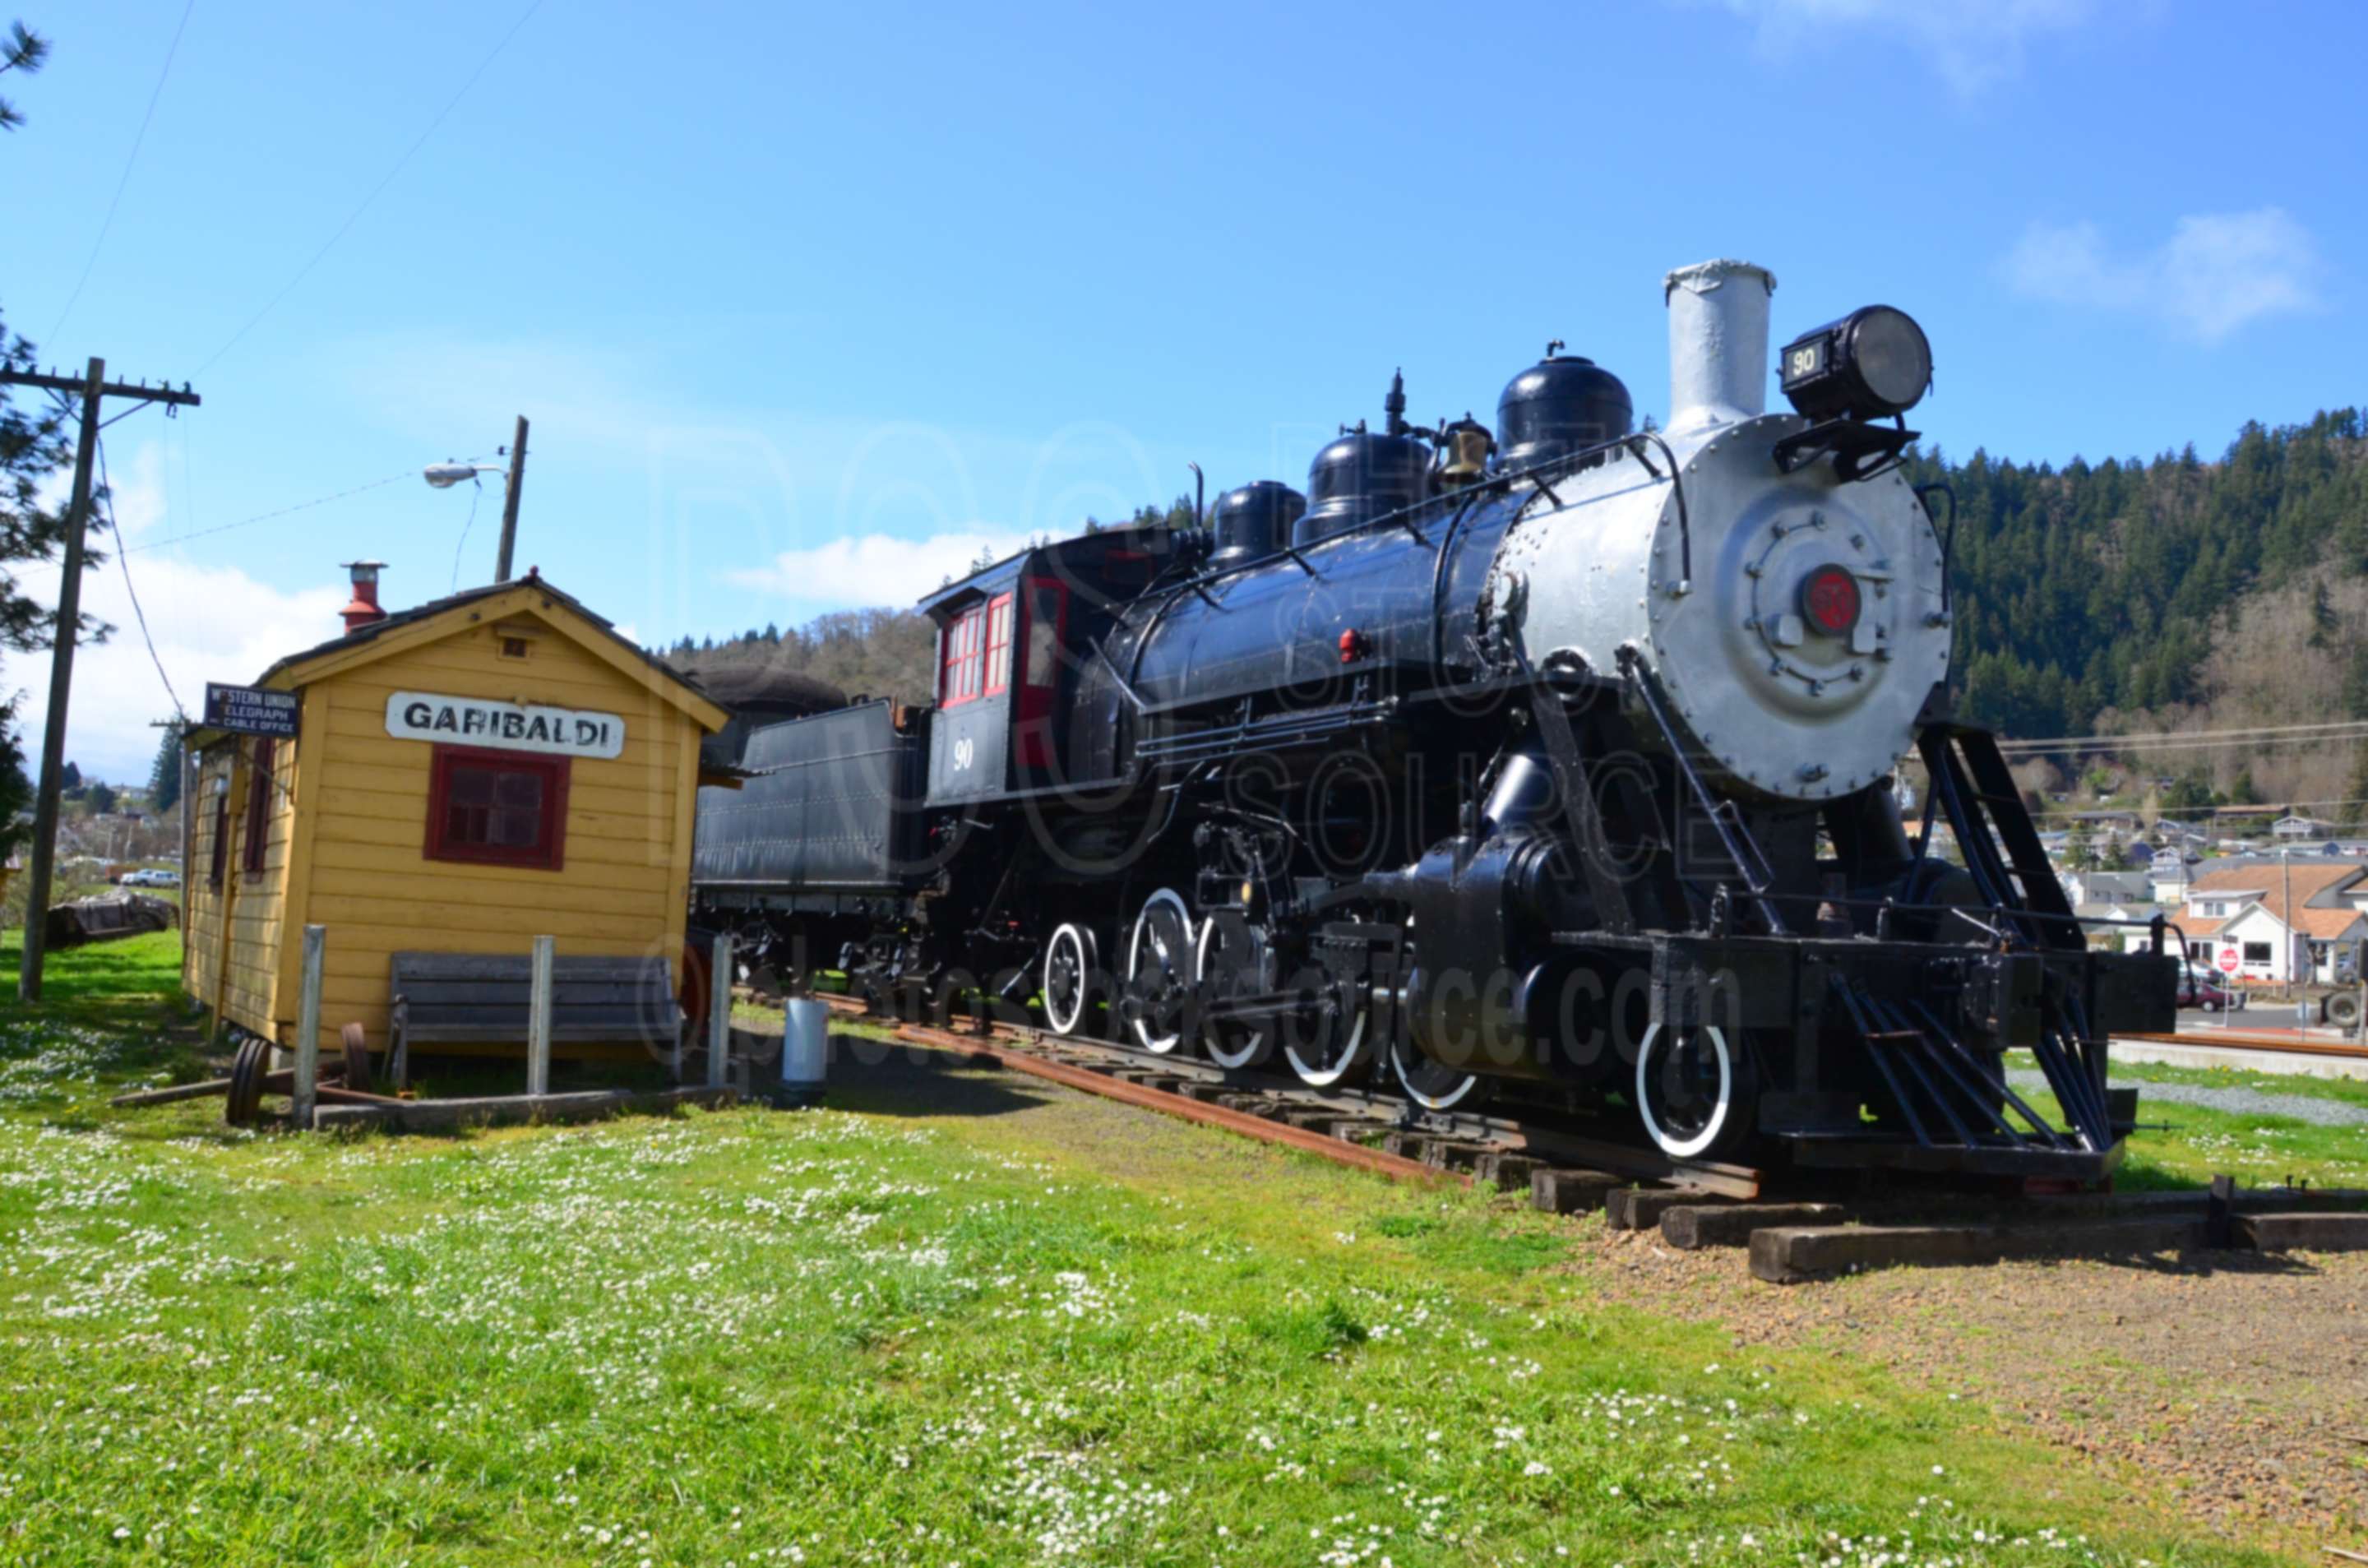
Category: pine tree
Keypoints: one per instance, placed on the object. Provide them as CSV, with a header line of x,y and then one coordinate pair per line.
x,y
164,775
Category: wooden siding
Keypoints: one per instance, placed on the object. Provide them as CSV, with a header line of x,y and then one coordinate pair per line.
x,y
361,869
258,913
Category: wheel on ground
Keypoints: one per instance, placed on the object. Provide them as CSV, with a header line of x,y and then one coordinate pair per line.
x,y
244,1101
1330,1045
1071,956
1159,972
357,1061
1431,1085
2343,1009
1230,961
1695,1092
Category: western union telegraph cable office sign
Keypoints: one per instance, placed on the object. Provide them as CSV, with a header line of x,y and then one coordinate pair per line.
x,y
560,732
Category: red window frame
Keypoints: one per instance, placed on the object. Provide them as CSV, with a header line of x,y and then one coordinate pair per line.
x,y
1040,679
975,651
450,837
258,806
1001,614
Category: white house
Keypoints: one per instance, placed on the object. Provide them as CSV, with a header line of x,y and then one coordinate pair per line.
x,y
2294,826
2242,911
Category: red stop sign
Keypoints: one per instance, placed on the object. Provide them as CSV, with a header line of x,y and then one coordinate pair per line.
x,y
2227,961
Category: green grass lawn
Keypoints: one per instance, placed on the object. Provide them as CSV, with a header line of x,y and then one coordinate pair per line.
x,y
2181,1145
957,1319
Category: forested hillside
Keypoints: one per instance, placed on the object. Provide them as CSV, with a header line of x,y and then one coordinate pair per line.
x,y
2178,593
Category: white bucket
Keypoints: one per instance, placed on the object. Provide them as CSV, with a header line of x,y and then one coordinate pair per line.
x,y
805,1051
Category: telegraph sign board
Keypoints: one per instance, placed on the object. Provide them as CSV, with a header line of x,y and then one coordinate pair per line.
x,y
250,710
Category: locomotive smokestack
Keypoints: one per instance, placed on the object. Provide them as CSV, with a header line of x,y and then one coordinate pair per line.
x,y
1718,343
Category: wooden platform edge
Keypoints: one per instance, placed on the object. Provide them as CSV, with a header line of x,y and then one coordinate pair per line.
x,y
445,1116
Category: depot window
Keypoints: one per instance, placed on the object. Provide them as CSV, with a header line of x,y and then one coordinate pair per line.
x,y
497,808
2256,953
259,808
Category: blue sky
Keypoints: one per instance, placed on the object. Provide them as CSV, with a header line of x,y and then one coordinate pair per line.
x,y
807,304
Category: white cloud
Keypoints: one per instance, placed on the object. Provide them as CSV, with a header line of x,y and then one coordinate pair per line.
x,y
874,569
1972,43
2218,272
209,622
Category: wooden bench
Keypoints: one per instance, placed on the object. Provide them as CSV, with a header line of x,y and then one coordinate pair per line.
x,y
469,997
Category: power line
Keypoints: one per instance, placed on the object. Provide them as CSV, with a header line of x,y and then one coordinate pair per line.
x,y
353,217
266,517
2202,743
125,179
2045,743
107,491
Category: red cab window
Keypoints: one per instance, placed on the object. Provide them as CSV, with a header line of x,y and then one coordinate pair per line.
x,y
976,657
998,644
501,808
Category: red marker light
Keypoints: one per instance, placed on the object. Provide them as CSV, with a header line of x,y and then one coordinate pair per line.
x,y
1829,599
1353,644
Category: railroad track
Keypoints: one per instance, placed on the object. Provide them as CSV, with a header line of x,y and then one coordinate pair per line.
x,y
1507,1149
2214,1040
1802,1235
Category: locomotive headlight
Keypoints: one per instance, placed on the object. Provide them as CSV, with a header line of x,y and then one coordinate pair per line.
x,y
1874,362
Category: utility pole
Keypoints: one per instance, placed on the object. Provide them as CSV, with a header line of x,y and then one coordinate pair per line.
x,y
94,389
510,502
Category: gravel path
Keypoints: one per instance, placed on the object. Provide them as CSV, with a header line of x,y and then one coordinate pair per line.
x,y
2238,1101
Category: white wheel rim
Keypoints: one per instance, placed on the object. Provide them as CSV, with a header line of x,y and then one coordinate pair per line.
x,y
1161,1045
1351,1057
1685,1148
1070,936
1403,1070
1449,1101
1215,1038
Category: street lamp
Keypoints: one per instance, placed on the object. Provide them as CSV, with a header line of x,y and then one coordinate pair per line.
x,y
444,475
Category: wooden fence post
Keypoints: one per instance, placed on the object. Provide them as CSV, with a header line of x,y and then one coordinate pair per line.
x,y
537,1027
308,1027
719,1008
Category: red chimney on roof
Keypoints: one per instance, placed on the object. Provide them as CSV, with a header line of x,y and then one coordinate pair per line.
x,y
364,610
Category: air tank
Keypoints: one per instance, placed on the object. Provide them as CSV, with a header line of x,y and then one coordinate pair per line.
x,y
1361,476
1254,521
1557,406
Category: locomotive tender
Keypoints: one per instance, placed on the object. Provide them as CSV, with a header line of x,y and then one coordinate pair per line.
x,y
1556,760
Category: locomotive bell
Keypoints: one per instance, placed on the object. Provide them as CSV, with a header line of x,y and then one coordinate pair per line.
x,y
1253,520
1558,406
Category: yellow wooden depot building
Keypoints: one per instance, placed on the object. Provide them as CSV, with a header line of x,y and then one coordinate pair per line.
x,y
466,776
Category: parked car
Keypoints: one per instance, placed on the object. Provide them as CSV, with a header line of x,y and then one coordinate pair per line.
x,y
152,877
2210,989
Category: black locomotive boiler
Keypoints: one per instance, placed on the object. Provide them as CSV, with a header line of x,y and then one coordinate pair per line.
x,y
1559,757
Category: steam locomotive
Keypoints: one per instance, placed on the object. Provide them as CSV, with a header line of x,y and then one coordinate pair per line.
x,y
1559,759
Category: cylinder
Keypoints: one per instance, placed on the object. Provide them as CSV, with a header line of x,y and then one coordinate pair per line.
x,y
1718,343
805,1051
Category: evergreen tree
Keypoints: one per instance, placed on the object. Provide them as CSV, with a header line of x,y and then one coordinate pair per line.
x,y
70,780
164,775
101,799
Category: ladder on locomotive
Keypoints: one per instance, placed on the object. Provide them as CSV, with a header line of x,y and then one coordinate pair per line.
x,y
1937,1082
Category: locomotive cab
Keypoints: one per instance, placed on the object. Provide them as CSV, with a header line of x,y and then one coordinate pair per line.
x,y
1011,639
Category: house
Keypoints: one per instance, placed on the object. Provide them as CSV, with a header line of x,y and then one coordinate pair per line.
x,y
2132,888
2294,827
2242,908
465,775
2168,871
